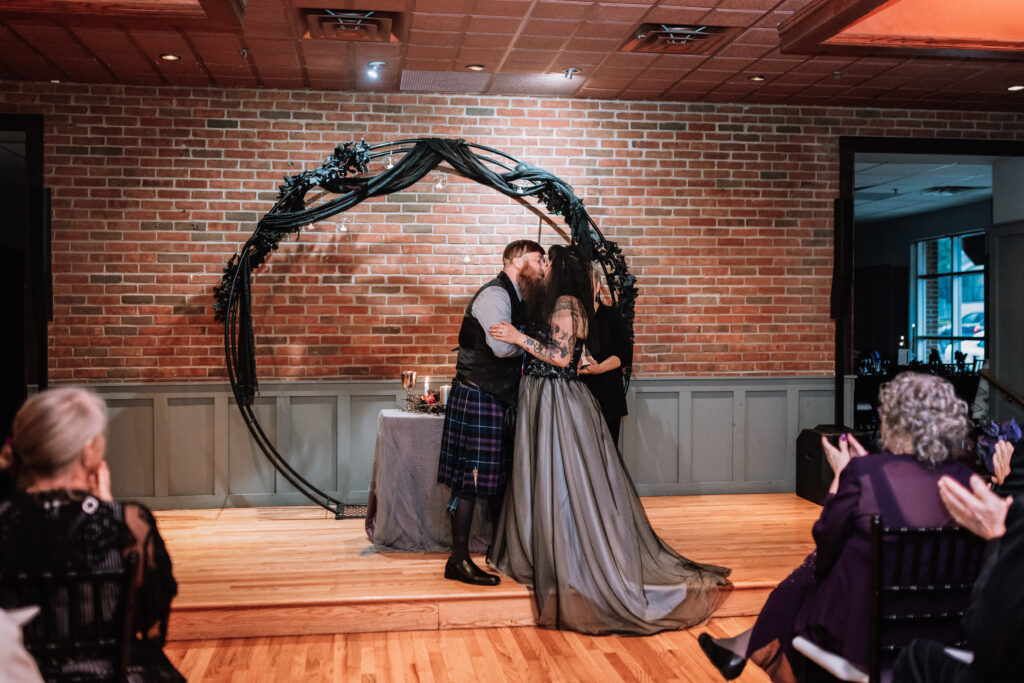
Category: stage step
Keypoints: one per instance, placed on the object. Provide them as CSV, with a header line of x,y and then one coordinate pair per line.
x,y
253,572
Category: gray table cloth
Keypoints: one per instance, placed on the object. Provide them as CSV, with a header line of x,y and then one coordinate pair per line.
x,y
406,508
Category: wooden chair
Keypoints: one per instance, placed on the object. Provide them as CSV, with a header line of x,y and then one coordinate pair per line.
x,y
921,581
84,630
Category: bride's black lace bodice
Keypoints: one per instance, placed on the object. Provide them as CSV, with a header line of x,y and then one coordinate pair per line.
x,y
538,368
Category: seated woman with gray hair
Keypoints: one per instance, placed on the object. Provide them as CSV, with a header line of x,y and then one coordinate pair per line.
x,y
825,599
62,518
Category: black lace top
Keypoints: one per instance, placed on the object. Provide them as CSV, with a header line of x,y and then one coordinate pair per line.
x,y
538,368
62,530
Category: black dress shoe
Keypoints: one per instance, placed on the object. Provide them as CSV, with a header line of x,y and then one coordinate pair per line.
x,y
467,572
728,663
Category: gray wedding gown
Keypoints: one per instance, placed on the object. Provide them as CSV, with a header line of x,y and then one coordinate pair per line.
x,y
573,529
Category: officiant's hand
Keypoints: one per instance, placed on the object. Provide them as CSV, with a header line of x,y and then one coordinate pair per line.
x,y
588,366
504,332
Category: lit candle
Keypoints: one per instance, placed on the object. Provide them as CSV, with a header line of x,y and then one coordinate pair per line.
x,y
426,386
445,388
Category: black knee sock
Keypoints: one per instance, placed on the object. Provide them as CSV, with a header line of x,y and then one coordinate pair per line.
x,y
462,520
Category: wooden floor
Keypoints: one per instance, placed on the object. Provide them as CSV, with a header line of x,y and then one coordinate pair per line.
x,y
470,655
257,572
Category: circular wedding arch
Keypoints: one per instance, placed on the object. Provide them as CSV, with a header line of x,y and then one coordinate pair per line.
x,y
346,173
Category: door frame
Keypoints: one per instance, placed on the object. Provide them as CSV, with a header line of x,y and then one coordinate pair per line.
x,y
844,236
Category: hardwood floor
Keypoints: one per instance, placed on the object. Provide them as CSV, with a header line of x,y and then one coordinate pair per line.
x,y
493,654
254,572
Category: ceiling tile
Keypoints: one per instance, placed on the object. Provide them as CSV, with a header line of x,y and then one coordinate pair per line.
x,y
612,11
677,15
724,17
502,8
525,42
441,38
488,40
549,27
273,53
593,44
445,6
423,21
488,24
561,9
606,29
480,55
740,50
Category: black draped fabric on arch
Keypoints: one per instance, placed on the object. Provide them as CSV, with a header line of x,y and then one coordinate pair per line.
x,y
345,173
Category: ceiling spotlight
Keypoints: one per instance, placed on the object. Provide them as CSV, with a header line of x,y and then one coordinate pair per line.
x,y
757,78
475,67
570,72
1015,88
168,57
54,80
373,69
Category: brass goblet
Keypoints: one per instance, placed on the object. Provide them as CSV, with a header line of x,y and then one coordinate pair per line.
x,y
408,381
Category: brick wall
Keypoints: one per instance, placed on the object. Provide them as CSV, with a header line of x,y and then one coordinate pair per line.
x,y
724,213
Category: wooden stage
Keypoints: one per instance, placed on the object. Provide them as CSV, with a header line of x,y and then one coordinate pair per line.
x,y
257,572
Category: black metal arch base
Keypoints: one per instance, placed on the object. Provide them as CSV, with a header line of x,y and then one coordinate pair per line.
x,y
345,173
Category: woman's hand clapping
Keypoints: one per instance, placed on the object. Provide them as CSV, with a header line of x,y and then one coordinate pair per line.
x,y
839,458
1001,460
977,509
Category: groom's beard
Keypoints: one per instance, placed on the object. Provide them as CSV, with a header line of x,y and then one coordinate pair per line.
x,y
529,285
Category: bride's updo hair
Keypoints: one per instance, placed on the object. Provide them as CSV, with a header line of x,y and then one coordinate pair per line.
x,y
568,275
53,426
925,410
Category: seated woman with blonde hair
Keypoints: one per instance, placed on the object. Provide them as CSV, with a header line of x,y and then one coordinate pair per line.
x,y
63,518
825,599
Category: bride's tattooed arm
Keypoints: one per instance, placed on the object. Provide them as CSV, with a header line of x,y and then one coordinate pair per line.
x,y
567,322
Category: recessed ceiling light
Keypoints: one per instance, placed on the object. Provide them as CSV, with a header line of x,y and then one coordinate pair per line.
x,y
168,57
475,67
757,77
54,80
1015,88
373,69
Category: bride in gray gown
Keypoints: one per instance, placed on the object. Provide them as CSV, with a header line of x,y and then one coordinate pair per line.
x,y
572,526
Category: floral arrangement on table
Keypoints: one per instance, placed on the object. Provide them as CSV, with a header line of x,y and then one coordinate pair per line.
x,y
429,403
991,434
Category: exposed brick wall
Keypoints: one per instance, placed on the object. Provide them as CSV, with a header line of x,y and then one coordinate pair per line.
x,y
723,211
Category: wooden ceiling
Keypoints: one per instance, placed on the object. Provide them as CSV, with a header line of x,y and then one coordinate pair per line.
x,y
624,49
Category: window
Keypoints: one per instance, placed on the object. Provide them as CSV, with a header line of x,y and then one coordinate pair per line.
x,y
948,301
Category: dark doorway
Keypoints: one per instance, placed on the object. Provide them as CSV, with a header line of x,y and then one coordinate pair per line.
x,y
24,263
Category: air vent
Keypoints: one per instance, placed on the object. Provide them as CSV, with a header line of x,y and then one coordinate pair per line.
x,y
951,190
679,40
352,25
444,81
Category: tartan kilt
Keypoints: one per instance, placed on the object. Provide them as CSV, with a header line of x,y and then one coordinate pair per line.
x,y
473,439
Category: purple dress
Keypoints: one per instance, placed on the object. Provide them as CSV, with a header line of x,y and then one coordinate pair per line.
x,y
828,593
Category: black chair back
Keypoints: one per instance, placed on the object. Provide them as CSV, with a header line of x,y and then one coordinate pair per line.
x,y
84,629
921,581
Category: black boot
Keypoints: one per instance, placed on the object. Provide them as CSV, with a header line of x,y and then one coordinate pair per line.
x,y
465,571
728,663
